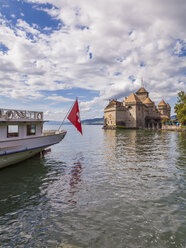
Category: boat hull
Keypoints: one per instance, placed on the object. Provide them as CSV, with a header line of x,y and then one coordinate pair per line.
x,y
15,151
15,158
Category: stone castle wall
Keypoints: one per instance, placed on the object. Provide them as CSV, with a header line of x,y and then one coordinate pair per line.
x,y
110,116
133,113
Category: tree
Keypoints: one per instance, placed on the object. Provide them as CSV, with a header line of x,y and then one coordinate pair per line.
x,y
180,107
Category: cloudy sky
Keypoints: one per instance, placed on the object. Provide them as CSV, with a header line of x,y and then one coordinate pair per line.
x,y
54,50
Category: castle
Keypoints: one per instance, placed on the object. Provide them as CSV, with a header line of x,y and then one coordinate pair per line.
x,y
136,111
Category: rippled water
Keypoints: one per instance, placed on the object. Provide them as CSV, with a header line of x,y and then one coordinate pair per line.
x,y
106,189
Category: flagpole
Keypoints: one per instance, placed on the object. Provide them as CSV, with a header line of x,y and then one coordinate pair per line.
x,y
66,115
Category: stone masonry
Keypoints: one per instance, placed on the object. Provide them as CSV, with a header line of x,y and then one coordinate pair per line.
x,y
136,111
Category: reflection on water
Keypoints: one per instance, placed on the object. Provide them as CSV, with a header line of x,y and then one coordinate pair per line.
x,y
75,179
181,149
75,176
19,181
109,188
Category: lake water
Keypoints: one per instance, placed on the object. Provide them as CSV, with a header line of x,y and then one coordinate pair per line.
x,y
106,188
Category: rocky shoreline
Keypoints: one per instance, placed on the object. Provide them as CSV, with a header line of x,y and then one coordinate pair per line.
x,y
174,128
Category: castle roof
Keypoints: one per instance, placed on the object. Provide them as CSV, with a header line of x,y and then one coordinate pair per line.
x,y
164,117
112,103
141,90
168,106
162,103
132,99
148,101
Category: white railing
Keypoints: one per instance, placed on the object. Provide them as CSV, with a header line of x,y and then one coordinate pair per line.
x,y
49,132
12,114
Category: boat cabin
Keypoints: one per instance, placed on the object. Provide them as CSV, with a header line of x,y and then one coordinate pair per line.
x,y
16,124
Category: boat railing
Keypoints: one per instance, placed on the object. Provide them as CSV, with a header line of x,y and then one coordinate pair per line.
x,y
20,115
50,132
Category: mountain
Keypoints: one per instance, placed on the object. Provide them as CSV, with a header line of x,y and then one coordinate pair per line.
x,y
53,122
95,121
173,117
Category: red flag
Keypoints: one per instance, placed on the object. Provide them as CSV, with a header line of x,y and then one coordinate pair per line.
x,y
74,117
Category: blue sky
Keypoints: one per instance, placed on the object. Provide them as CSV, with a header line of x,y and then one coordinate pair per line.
x,y
54,51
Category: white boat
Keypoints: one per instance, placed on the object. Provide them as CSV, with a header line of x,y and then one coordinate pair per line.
x,y
22,135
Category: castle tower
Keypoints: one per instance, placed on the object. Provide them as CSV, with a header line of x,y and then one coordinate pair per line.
x,y
149,104
142,94
135,110
112,114
168,110
164,109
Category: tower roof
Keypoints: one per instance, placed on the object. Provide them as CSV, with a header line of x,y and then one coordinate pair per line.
x,y
132,99
162,103
164,117
113,103
141,90
148,101
168,106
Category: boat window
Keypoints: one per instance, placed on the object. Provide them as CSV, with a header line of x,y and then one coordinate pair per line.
x,y
31,129
12,131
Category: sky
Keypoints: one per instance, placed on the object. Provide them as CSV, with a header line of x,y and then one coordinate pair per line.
x,y
52,51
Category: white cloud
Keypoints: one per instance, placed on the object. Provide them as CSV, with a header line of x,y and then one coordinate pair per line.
x,y
57,98
121,35
54,115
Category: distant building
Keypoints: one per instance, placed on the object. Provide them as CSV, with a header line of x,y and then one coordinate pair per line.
x,y
136,111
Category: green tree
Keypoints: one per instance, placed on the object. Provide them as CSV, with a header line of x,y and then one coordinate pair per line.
x,y
180,107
